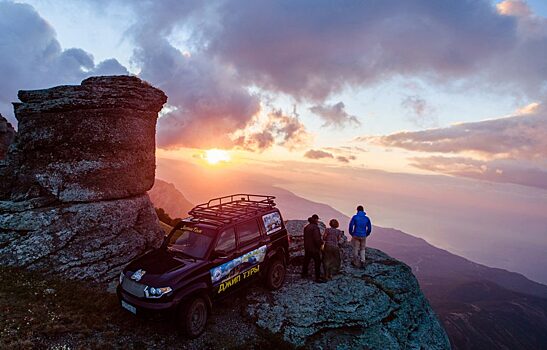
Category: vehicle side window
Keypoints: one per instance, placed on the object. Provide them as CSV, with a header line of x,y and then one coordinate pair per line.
x,y
247,232
227,241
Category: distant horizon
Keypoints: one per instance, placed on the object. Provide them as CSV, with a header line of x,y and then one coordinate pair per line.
x,y
437,229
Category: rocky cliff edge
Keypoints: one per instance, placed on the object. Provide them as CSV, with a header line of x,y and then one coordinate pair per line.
x,y
379,306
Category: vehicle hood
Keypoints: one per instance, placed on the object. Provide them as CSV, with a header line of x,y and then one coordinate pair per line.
x,y
162,268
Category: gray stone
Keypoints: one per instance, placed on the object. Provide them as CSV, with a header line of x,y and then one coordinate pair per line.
x,y
94,141
379,306
87,241
7,135
73,188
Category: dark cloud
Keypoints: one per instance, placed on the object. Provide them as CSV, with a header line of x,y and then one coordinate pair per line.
x,y
494,171
334,115
345,154
320,154
317,154
207,102
521,136
342,159
32,57
310,49
280,129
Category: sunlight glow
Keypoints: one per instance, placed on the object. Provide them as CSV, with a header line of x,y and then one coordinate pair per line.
x,y
215,156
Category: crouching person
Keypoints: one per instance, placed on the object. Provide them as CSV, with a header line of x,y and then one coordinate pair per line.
x,y
359,228
331,252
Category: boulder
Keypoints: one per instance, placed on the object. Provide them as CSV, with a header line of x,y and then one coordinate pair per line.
x,y
7,135
87,241
73,188
379,306
94,141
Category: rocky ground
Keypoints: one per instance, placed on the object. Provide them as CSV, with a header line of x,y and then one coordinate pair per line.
x,y
376,307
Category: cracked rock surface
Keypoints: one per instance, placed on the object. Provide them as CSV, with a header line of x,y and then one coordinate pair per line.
x,y
7,134
73,187
88,142
379,306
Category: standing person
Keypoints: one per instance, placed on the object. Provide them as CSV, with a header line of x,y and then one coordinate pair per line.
x,y
331,253
360,228
312,247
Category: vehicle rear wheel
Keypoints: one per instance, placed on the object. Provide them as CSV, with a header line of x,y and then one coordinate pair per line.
x,y
194,315
275,275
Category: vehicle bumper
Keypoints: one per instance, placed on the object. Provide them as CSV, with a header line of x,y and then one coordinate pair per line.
x,y
146,307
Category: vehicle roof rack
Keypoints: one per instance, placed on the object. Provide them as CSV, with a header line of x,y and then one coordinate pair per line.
x,y
235,207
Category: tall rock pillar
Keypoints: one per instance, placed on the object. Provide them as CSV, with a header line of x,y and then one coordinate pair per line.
x,y
73,188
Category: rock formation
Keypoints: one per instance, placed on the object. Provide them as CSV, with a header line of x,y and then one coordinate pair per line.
x,y
380,306
7,135
73,186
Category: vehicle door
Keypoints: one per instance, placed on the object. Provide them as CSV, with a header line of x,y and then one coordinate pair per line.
x,y
252,249
224,259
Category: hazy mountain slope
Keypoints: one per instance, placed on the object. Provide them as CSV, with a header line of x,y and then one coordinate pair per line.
x,y
480,307
482,315
431,263
166,196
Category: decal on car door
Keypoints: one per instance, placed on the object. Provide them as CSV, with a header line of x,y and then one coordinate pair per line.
x,y
238,269
272,222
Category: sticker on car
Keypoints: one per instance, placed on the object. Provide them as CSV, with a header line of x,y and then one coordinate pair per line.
x,y
238,269
272,222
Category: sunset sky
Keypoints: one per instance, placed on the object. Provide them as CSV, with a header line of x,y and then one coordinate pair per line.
x,y
339,102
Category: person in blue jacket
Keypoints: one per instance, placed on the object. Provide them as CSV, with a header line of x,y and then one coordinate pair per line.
x,y
360,228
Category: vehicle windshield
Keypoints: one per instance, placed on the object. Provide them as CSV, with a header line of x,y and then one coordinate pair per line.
x,y
191,241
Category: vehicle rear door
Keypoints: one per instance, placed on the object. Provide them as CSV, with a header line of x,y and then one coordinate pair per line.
x,y
274,229
252,247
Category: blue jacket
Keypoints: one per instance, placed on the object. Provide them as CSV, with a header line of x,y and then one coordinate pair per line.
x,y
360,225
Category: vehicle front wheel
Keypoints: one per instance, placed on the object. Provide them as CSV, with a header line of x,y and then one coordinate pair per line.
x,y
275,275
193,316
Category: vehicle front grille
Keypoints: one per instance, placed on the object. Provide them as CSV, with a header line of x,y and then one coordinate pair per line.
x,y
133,287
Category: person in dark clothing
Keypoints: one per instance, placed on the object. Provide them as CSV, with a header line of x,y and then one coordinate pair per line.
x,y
312,247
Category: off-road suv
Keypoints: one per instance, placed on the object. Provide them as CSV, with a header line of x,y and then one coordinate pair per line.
x,y
224,245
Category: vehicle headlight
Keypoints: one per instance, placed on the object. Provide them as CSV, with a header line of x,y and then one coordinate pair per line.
x,y
122,276
154,293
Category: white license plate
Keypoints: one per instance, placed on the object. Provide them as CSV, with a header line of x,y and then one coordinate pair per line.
x,y
129,307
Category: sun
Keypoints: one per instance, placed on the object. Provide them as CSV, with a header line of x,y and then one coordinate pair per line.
x,y
215,156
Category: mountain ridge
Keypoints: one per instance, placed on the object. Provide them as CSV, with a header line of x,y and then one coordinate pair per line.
x,y
466,295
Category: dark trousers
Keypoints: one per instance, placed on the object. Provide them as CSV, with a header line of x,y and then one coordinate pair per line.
x,y
316,256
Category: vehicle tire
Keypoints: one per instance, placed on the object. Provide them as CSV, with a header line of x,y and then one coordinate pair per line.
x,y
275,276
194,315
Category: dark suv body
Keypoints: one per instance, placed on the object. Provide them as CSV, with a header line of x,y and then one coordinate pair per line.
x,y
223,246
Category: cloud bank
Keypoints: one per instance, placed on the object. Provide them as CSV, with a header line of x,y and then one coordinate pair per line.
x,y
317,154
311,50
521,136
334,115
215,59
510,150
495,171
